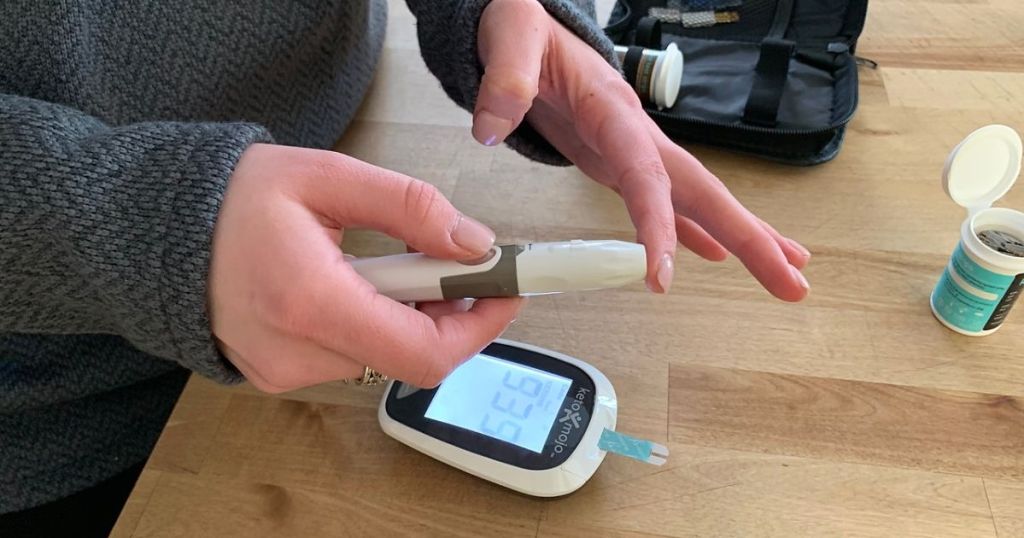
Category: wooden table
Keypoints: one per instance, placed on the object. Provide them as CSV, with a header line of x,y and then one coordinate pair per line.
x,y
852,414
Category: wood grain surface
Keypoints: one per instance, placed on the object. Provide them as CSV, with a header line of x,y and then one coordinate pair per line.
x,y
853,413
941,430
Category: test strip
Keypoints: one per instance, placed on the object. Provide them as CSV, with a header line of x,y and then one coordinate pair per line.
x,y
631,447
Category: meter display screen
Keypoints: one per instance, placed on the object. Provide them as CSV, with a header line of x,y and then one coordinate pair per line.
x,y
508,404
502,400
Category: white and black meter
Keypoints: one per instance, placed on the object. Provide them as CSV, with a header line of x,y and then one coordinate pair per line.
x,y
524,417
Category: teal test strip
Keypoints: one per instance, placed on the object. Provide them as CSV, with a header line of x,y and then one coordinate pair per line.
x,y
638,449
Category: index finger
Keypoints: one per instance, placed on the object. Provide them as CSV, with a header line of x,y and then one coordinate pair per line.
x,y
698,194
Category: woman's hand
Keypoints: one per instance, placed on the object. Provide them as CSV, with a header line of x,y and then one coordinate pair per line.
x,y
288,310
537,69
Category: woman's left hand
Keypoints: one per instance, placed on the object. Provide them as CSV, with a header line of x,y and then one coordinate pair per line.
x,y
537,69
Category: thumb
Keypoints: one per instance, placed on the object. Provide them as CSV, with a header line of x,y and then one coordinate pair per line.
x,y
351,193
512,39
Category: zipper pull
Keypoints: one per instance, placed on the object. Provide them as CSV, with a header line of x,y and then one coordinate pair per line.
x,y
838,48
869,63
842,48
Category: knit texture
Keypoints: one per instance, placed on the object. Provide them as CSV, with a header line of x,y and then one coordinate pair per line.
x,y
452,31
120,125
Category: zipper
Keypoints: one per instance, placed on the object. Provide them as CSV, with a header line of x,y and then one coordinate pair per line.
x,y
780,20
751,149
843,47
750,128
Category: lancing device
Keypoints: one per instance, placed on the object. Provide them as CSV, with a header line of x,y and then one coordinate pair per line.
x,y
507,271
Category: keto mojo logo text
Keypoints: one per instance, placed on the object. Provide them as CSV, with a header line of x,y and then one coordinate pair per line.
x,y
569,421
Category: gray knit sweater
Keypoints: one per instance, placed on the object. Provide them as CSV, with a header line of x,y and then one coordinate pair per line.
x,y
120,123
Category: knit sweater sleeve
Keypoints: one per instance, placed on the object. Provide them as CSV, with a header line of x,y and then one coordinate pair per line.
x,y
108,229
448,42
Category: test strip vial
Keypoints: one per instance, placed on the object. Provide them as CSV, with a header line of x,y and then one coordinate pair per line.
x,y
656,75
985,274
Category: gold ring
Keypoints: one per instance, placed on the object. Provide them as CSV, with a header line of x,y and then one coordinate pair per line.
x,y
370,377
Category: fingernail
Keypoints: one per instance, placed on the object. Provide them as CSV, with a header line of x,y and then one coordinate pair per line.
x,y
800,278
472,235
490,129
800,248
665,273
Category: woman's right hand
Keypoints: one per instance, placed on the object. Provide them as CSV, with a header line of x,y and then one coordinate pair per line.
x,y
289,311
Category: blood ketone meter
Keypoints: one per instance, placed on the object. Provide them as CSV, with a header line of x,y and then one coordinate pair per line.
x,y
530,419
507,271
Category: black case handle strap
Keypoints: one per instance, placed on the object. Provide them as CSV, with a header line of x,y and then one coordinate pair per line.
x,y
772,70
769,82
783,13
648,33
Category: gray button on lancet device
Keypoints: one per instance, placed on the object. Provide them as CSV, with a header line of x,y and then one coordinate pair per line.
x,y
511,270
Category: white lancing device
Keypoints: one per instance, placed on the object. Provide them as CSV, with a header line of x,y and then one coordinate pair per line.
x,y
507,271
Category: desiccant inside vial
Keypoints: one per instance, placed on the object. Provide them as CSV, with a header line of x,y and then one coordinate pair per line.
x,y
1002,242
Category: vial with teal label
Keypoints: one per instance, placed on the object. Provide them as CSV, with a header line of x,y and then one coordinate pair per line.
x,y
985,275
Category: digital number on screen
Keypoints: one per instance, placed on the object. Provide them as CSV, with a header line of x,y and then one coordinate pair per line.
x,y
501,399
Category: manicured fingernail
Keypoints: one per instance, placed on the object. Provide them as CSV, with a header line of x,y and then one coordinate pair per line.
x,y
472,236
664,274
800,248
800,278
490,129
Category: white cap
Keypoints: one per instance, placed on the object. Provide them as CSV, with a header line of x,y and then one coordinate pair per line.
x,y
668,75
983,167
579,266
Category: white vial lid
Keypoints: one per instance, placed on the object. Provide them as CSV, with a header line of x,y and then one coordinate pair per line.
x,y
983,167
668,71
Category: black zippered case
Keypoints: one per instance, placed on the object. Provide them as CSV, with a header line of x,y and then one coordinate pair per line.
x,y
779,83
